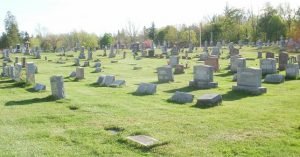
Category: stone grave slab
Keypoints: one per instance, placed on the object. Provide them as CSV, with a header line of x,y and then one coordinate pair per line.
x,y
143,140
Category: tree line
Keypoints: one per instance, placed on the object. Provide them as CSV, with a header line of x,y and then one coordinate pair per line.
x,y
233,25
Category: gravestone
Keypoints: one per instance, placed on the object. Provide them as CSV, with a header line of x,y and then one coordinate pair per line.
x,y
213,61
79,73
76,61
118,83
215,51
237,63
97,70
106,80
81,55
144,140
146,89
270,55
274,78
90,55
72,74
124,54
16,60
97,65
165,74
39,87
86,64
174,51
30,73
209,100
37,54
182,97
259,54
298,59
249,80
283,60
173,61
12,72
203,77
23,62
179,69
268,66
292,71
18,72
112,52
57,87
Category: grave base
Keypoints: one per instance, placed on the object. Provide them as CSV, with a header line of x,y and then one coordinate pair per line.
x,y
203,85
251,90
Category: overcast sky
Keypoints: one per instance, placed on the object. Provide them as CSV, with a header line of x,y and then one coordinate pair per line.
x,y
100,16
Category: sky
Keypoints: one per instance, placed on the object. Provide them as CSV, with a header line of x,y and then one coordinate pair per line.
x,y
100,16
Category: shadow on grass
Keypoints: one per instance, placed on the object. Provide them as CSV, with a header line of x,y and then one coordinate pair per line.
x,y
183,89
157,82
15,85
138,94
7,81
236,95
30,101
228,73
95,84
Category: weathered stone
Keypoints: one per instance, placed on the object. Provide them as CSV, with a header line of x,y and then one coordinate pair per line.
x,y
268,66
283,60
212,61
23,62
259,54
165,74
30,73
292,71
203,77
86,64
237,63
274,78
298,60
179,69
90,55
18,72
249,80
270,55
209,100
182,97
146,88
72,74
57,87
97,70
12,72
118,83
79,73
97,64
215,51
105,80
173,61
39,87
143,140
76,61
81,55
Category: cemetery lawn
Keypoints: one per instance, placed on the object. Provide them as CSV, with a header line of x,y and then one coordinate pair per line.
x,y
34,124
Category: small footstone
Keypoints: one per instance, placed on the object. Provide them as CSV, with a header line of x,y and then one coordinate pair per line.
x,y
146,88
118,83
182,97
39,87
209,100
73,74
143,140
274,78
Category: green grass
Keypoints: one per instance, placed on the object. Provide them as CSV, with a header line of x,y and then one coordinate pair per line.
x,y
35,124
